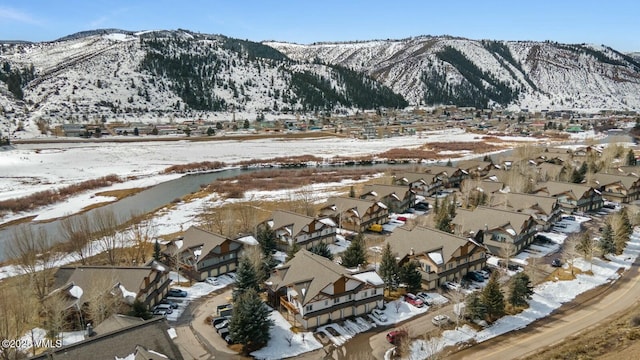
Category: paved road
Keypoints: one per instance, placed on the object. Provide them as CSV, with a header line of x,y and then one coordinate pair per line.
x,y
617,297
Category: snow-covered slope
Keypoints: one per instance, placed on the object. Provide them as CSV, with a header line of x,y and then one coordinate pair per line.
x,y
543,75
159,76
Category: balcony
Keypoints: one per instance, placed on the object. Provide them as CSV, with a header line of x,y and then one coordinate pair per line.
x,y
291,308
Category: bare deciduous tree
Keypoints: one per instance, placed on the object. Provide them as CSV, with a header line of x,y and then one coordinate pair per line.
x,y
77,231
141,235
31,251
109,239
17,307
55,307
569,249
102,299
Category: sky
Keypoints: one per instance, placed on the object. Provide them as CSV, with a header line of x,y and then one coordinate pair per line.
x,y
613,23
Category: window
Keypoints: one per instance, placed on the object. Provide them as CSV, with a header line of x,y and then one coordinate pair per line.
x,y
309,307
336,300
349,297
326,303
375,291
366,293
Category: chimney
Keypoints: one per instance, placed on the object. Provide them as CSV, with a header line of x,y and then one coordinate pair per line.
x,y
412,252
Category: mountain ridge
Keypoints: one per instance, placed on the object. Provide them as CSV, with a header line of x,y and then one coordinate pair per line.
x,y
121,75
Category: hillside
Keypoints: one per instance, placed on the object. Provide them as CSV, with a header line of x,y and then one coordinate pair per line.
x,y
537,75
161,76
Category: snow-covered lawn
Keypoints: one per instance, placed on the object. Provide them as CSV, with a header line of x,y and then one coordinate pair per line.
x,y
548,297
279,346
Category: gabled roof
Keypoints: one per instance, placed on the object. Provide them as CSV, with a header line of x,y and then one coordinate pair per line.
x,y
497,175
80,280
308,274
412,177
556,188
606,179
490,187
296,222
380,192
196,237
629,170
342,204
439,169
489,218
422,240
519,201
550,169
473,164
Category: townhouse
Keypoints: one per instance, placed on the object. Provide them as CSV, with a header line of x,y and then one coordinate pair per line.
x,y
571,197
441,256
311,290
397,198
305,231
355,214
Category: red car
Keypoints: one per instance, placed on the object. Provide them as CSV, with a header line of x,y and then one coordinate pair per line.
x,y
395,336
402,218
413,300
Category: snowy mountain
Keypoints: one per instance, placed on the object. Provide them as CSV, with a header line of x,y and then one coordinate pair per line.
x,y
159,76
539,75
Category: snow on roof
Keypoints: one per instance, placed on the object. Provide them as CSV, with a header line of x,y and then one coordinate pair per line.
x,y
157,266
270,223
131,356
248,240
395,197
355,212
172,333
436,257
197,252
179,243
158,354
511,232
370,277
328,222
381,205
126,293
373,193
76,291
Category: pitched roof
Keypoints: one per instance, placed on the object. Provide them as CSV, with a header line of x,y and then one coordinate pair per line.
x,y
601,179
151,334
497,175
281,218
196,237
491,218
490,187
519,201
424,240
438,169
550,169
472,164
556,188
412,177
308,274
382,191
343,204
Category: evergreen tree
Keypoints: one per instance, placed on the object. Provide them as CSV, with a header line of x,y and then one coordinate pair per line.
x,y
493,298
136,132
210,131
266,237
606,244
410,276
631,158
576,177
246,278
444,214
322,249
585,246
250,322
154,131
521,289
140,310
355,255
292,250
475,308
156,250
352,192
449,163
388,268
622,231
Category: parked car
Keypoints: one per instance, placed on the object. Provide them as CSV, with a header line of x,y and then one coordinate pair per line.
x,y
485,274
161,312
378,314
212,281
218,320
413,300
225,334
166,307
173,304
402,218
476,276
452,285
440,320
425,297
221,325
375,228
177,293
394,337
421,206
556,262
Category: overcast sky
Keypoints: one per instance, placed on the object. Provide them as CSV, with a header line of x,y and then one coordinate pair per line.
x,y
613,23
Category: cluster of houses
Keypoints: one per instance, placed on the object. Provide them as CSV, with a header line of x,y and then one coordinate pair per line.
x,y
311,290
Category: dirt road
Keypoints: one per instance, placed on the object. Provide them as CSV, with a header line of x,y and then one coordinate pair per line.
x,y
617,297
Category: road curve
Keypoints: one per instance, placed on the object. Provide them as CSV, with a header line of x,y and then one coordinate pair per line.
x,y
620,295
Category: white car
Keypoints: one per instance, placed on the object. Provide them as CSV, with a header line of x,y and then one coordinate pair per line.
x,y
452,286
376,313
212,281
440,320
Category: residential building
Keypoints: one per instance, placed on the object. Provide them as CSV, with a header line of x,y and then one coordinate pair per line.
x,y
617,188
476,168
441,256
305,231
355,214
450,176
421,183
545,210
571,197
312,291
397,198
201,254
499,230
